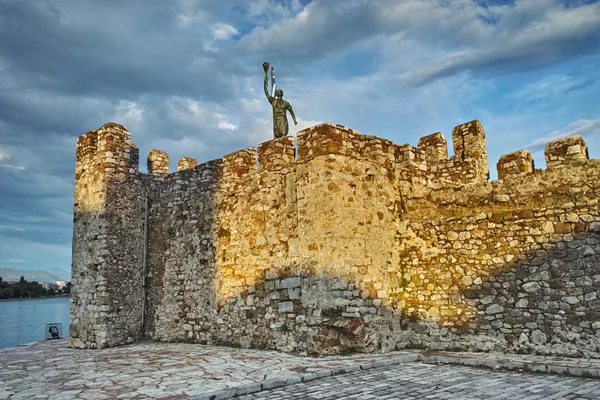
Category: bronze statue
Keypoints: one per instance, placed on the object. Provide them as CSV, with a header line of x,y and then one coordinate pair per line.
x,y
280,123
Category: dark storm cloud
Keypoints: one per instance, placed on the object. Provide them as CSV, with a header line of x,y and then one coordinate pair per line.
x,y
109,50
65,67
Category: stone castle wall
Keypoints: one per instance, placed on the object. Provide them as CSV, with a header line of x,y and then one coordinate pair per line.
x,y
347,242
107,274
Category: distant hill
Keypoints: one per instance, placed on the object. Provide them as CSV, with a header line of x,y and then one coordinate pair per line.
x,y
30,275
61,273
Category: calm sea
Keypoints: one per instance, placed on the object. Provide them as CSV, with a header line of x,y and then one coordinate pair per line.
x,y
23,321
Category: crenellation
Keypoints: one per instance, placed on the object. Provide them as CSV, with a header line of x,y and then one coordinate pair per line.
x,y
518,162
158,163
468,140
569,151
87,144
134,155
106,239
372,148
239,171
86,192
434,147
113,148
276,155
358,244
333,139
323,139
210,171
186,163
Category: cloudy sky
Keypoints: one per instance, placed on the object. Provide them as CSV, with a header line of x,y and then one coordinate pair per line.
x,y
186,77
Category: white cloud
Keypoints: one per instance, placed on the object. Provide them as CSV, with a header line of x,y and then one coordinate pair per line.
x,y
302,124
272,10
11,228
550,86
25,218
528,33
43,251
12,167
222,31
5,157
329,27
465,37
191,13
199,114
581,127
224,124
129,111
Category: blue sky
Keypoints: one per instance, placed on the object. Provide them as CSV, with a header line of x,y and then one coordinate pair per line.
x,y
185,77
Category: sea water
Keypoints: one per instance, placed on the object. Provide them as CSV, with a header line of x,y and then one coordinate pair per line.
x,y
24,321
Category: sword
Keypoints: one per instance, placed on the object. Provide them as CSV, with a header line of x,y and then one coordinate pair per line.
x,y
274,85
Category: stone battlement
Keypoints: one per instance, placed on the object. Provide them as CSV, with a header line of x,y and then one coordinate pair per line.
x,y
428,163
342,241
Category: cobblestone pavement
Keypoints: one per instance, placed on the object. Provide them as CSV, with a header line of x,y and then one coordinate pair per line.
x,y
427,381
51,370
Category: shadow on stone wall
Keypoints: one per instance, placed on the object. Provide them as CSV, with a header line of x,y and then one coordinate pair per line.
x,y
180,271
224,239
547,303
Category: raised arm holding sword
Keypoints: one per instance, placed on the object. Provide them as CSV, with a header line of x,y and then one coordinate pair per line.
x,y
280,123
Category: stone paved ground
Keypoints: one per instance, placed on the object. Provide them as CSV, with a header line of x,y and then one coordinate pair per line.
x,y
427,381
50,370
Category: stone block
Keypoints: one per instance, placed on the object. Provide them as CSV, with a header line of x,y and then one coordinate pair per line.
x,y
239,164
434,147
494,309
158,163
569,151
514,164
288,283
468,140
186,163
286,307
323,139
276,154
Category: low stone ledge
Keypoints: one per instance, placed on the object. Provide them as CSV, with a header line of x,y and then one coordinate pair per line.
x,y
293,379
526,363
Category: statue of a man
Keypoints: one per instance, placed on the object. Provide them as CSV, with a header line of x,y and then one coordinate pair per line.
x,y
280,123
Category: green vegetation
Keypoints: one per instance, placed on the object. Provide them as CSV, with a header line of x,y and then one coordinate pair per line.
x,y
31,290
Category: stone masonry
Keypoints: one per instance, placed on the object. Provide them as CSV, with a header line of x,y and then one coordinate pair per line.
x,y
348,242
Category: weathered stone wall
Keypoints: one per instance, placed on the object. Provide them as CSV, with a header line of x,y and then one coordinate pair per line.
x,y
358,243
505,260
186,163
107,299
180,258
516,163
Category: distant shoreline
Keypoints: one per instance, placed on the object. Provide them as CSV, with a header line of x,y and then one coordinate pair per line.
x,y
34,298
